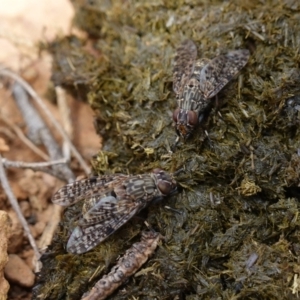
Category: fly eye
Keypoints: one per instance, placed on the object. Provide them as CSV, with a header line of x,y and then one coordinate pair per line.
x,y
175,114
192,118
165,187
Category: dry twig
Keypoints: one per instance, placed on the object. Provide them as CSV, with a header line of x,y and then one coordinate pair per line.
x,y
14,203
50,228
39,101
66,118
23,138
39,132
126,266
36,166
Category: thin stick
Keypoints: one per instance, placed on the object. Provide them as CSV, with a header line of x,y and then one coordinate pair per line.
x,y
40,102
39,131
23,138
37,166
51,226
66,118
14,203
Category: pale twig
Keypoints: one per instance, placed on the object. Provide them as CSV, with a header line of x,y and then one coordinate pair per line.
x,y
65,116
36,166
14,203
39,131
40,102
51,226
23,138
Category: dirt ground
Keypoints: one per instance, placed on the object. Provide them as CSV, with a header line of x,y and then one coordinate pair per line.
x,y
23,24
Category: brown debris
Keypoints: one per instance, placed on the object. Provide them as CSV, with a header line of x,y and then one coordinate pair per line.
x,y
38,192
127,265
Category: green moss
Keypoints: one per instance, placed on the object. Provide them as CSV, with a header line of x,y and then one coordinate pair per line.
x,y
240,189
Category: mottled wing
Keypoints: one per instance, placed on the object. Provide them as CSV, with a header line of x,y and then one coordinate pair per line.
x,y
184,62
110,215
105,208
81,189
220,70
199,65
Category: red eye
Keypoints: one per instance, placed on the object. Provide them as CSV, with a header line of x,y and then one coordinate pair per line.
x,y
192,118
175,114
165,187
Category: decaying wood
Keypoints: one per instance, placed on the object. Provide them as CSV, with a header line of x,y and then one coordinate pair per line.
x,y
127,265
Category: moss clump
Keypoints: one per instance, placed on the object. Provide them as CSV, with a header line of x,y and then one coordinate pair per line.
x,y
237,233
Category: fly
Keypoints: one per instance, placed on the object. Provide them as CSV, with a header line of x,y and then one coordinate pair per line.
x,y
109,202
197,81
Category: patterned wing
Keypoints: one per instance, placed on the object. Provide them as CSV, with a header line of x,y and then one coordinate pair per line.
x,y
220,70
106,217
80,189
184,62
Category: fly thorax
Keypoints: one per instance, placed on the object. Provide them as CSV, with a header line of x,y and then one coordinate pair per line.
x,y
191,91
140,186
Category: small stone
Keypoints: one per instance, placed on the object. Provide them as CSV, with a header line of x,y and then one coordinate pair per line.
x,y
18,271
28,258
16,237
